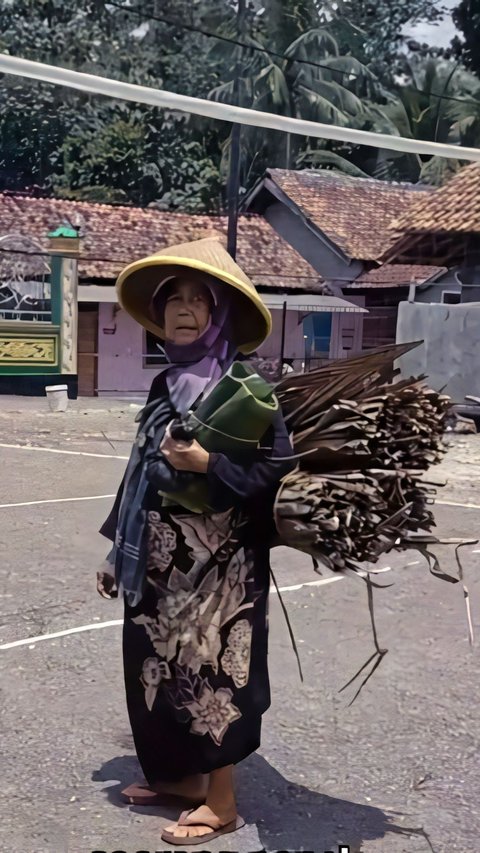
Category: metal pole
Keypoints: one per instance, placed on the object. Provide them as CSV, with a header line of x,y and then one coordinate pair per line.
x,y
234,170
282,345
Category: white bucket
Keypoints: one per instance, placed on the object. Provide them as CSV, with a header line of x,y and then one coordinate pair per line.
x,y
57,396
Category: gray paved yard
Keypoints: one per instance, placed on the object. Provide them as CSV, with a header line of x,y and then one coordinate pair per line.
x,y
398,772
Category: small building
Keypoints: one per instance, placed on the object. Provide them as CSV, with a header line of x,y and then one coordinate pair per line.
x,y
443,313
446,232
113,354
343,227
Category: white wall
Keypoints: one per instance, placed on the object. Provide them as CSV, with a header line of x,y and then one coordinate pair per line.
x,y
450,352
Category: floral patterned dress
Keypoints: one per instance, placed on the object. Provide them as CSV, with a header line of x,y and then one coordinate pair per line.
x,y
195,647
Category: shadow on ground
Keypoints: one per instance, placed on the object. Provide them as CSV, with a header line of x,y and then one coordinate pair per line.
x,y
287,816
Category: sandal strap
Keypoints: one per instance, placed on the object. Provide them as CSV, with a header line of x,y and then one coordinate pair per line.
x,y
183,817
184,821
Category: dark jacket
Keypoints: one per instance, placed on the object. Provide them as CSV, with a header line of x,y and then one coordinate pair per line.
x,y
253,483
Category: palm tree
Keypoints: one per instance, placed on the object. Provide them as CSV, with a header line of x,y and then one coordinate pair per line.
x,y
419,113
415,111
311,80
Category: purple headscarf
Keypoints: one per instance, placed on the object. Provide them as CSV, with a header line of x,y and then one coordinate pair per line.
x,y
193,367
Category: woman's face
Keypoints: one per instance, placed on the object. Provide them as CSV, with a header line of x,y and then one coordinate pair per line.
x,y
187,311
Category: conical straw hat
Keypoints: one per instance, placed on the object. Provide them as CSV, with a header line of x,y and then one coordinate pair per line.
x,y
250,319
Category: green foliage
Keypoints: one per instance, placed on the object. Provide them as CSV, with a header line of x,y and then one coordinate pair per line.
x,y
78,146
374,31
85,147
466,17
438,170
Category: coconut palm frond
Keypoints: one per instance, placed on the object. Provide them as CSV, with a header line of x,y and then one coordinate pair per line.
x,y
342,98
313,106
315,42
272,87
319,158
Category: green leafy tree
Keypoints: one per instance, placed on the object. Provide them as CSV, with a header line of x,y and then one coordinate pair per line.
x,y
374,31
466,17
418,113
312,81
87,147
335,61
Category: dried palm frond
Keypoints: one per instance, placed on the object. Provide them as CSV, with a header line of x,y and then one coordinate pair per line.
x,y
359,459
347,519
362,446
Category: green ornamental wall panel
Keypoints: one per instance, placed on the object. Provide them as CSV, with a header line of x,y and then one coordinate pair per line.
x,y
29,351
29,348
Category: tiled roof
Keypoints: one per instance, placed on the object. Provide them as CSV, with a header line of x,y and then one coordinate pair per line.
x,y
395,275
113,236
354,213
455,207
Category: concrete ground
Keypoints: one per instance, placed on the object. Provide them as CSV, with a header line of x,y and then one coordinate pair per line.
x,y
397,772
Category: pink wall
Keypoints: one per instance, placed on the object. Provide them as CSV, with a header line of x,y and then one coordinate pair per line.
x,y
120,362
347,331
294,340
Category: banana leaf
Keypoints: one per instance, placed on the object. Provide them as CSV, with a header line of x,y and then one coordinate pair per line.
x,y
232,420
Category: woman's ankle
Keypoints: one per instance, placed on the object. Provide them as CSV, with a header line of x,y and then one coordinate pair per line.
x,y
221,793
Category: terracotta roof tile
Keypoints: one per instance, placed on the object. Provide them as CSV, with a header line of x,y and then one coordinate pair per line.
x,y
392,275
455,207
113,236
355,213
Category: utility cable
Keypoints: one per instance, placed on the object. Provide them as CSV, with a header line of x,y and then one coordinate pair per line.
x,y
135,10
94,84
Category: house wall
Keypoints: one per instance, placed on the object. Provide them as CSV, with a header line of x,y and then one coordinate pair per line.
x,y
378,327
433,292
347,331
120,362
294,336
450,352
310,244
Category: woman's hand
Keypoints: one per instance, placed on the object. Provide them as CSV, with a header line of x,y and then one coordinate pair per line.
x,y
185,456
106,581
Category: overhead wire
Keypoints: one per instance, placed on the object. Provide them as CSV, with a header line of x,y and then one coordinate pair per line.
x,y
92,83
149,16
123,262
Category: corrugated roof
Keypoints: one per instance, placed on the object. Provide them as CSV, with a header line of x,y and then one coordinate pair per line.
x,y
113,236
395,275
354,213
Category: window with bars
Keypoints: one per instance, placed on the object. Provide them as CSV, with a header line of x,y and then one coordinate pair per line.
x,y
153,352
26,300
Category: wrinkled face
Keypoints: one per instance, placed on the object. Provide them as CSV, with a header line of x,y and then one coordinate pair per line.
x,y
187,311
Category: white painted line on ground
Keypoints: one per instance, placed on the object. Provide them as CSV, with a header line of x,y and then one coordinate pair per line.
x,y
453,503
78,630
58,501
307,583
29,641
56,450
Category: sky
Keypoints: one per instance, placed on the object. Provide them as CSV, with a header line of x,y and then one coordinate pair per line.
x,y
439,35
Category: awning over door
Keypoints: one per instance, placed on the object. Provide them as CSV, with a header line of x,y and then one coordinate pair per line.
x,y
310,302
306,303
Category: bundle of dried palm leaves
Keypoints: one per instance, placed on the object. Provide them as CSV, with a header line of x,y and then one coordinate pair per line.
x,y
361,444
348,519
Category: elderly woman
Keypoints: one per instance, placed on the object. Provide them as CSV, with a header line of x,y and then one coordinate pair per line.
x,y
195,584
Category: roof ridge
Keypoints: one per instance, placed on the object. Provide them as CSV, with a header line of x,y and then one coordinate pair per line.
x,y
39,200
334,175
